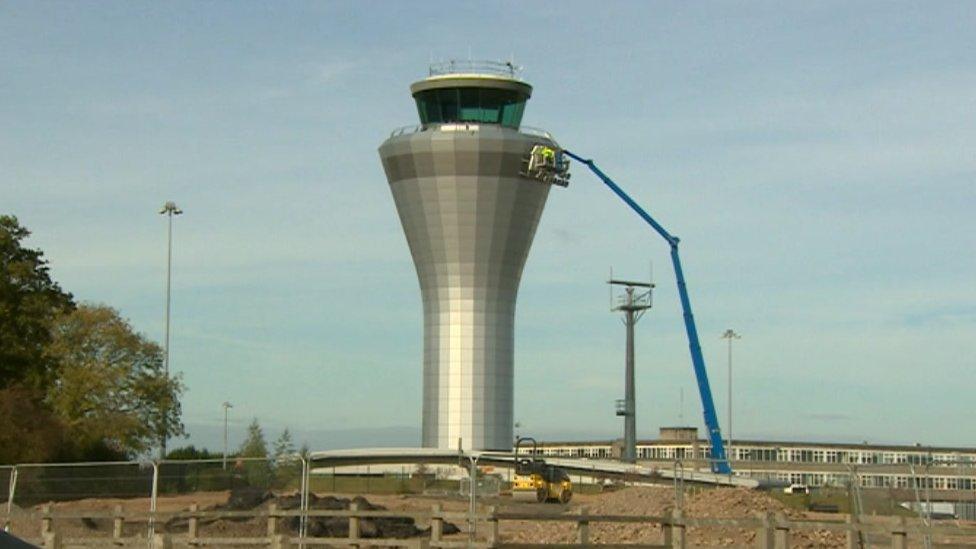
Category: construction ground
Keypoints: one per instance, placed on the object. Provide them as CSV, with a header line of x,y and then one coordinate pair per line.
x,y
731,503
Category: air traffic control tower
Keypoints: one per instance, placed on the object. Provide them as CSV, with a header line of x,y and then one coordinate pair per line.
x,y
469,197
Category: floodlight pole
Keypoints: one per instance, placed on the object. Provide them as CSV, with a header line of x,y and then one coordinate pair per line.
x,y
227,406
169,209
730,335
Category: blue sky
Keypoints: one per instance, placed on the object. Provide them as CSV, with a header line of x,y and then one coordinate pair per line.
x,y
817,160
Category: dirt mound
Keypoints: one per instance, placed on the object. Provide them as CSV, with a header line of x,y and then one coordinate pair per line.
x,y
640,501
338,527
245,498
743,503
734,503
725,503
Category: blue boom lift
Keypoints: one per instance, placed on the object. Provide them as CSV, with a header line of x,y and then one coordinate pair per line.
x,y
719,461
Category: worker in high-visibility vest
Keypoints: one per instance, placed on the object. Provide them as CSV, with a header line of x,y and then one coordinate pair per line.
x,y
549,155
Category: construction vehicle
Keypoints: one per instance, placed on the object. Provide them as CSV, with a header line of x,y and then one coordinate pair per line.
x,y
536,480
542,166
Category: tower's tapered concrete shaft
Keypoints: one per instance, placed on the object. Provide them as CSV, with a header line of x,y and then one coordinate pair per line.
x,y
469,219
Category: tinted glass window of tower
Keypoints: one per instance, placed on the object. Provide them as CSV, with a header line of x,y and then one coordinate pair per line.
x,y
483,105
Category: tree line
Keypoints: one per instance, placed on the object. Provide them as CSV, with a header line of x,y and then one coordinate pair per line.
x,y
77,381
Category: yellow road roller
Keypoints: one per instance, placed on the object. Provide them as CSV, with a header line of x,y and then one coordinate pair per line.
x,y
535,480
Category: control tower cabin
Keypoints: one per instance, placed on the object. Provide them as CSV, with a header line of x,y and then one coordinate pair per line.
x,y
469,215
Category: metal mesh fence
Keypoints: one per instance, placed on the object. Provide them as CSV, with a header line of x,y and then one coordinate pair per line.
x,y
57,482
259,475
66,488
384,480
139,490
485,486
6,474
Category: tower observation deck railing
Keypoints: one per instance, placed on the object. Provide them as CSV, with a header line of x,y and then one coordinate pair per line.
x,y
416,128
456,66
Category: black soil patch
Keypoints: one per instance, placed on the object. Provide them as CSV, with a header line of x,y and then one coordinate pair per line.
x,y
248,498
338,527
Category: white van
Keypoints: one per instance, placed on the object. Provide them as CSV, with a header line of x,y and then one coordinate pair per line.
x,y
796,489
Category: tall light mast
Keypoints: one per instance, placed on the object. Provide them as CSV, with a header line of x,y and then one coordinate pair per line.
x,y
730,335
169,209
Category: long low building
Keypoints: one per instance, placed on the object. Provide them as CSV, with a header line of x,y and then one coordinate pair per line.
x,y
327,461
951,471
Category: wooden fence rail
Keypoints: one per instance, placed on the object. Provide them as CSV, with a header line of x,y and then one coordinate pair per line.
x,y
773,531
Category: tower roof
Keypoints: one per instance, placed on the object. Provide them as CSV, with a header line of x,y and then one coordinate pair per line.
x,y
473,74
472,80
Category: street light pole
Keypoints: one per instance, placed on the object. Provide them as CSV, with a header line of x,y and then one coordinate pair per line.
x,y
730,335
169,209
227,406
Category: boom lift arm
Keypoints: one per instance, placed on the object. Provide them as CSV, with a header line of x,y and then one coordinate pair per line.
x,y
719,461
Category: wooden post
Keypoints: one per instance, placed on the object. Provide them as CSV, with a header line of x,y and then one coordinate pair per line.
x,y
583,527
764,534
353,524
492,526
52,540
280,541
677,529
118,522
851,533
899,535
436,523
782,532
272,519
666,529
162,541
46,524
193,523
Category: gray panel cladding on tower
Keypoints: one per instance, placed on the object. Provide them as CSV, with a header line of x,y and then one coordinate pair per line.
x,y
469,219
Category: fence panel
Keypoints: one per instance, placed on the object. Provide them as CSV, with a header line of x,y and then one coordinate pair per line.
x,y
7,486
485,486
81,488
403,480
6,473
237,485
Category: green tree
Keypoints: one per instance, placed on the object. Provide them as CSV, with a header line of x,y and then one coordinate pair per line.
x,y
29,301
257,472
111,389
191,452
284,447
254,445
288,466
29,432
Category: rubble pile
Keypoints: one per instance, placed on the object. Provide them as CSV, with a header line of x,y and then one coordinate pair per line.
x,y
742,503
727,503
643,501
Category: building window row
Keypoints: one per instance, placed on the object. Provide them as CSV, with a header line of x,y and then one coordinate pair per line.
x,y
671,452
841,480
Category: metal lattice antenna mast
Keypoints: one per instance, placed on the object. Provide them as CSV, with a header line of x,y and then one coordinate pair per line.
x,y
636,300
